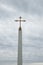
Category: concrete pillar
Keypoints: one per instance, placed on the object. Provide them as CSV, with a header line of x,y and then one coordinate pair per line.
x,y
20,46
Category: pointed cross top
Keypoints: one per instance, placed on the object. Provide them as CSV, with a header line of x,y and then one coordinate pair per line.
x,y
20,20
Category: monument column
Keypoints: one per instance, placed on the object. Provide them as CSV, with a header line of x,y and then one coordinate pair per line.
x,y
20,46
20,41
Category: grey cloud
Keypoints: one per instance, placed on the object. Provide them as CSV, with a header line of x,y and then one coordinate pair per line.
x,y
5,14
33,7
8,42
30,6
33,49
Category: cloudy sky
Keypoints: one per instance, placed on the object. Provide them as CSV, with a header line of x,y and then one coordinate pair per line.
x,y
32,12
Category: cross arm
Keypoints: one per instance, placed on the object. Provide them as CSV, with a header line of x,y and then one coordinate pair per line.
x,y
16,20
23,20
20,20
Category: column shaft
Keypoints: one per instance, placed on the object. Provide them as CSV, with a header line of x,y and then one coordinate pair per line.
x,y
20,47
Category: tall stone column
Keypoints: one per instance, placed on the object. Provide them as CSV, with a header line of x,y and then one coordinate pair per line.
x,y
20,41
20,46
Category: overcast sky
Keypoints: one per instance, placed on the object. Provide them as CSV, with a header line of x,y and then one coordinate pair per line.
x,y
32,12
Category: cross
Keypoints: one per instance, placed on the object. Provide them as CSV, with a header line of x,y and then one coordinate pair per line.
x,y
20,41
20,20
